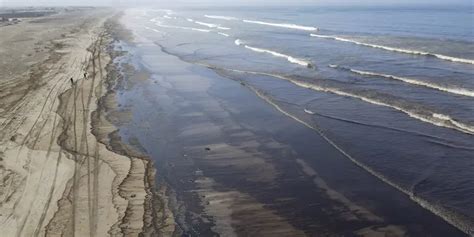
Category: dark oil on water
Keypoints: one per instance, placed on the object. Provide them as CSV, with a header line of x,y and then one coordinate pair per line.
x,y
252,143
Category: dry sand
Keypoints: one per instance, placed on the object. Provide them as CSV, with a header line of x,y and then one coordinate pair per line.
x,y
58,175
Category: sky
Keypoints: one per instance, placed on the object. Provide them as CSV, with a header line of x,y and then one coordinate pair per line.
x,y
227,2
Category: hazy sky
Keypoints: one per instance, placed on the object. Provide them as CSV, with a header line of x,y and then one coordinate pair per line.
x,y
229,2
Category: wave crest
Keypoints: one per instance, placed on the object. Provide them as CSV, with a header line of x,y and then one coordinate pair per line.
x,y
450,216
210,25
158,23
276,54
453,218
452,90
227,18
398,50
438,119
283,25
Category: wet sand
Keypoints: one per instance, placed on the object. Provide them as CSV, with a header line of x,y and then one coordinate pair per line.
x,y
236,165
162,147
58,174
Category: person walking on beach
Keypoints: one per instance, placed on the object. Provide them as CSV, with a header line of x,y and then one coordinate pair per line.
x,y
85,75
72,81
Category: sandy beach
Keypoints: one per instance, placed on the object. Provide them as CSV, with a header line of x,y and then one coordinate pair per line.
x,y
58,178
244,153
156,122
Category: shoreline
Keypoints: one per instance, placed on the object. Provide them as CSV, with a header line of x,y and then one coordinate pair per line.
x,y
457,220
142,167
210,136
61,174
162,146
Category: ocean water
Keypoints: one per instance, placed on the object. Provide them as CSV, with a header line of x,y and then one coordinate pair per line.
x,y
391,89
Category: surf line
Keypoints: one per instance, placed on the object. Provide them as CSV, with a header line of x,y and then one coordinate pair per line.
x,y
438,210
210,25
437,119
227,18
398,50
289,58
283,25
449,216
223,34
181,27
452,90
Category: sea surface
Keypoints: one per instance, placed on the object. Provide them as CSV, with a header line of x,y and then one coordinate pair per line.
x,y
333,121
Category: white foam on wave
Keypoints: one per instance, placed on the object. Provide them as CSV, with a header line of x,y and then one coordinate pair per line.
x,y
206,24
444,121
329,140
398,50
181,27
276,54
452,90
196,29
227,18
223,34
167,17
454,218
280,55
308,111
189,19
283,25
238,42
440,120
210,25
451,217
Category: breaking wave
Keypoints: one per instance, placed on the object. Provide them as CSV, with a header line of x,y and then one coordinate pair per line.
x,y
438,119
398,50
276,54
223,34
210,25
227,18
431,138
452,90
283,25
450,216
444,212
238,42
181,27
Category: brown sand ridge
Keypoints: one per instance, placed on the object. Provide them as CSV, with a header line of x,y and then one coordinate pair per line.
x,y
58,175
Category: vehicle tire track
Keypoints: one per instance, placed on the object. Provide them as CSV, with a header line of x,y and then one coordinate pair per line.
x,y
26,137
50,111
85,65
